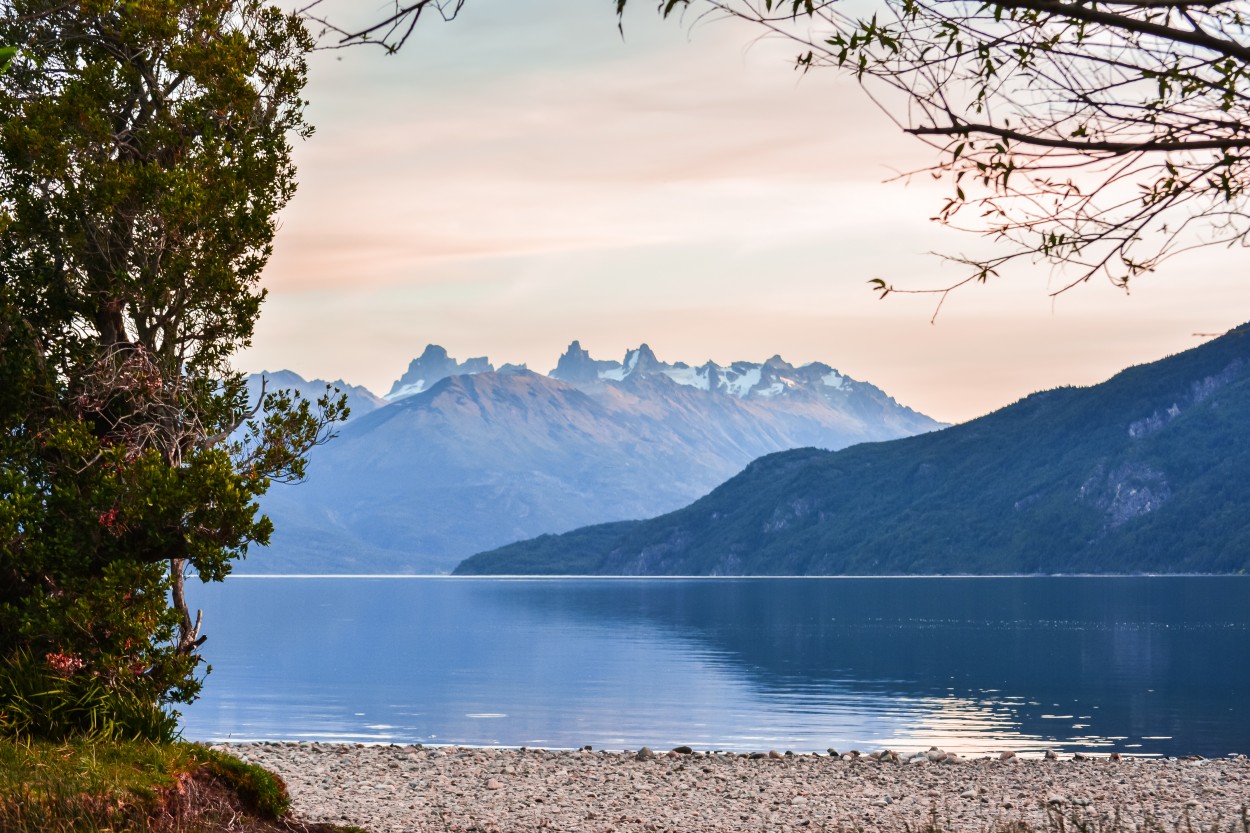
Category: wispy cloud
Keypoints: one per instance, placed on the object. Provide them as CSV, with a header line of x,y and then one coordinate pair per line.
x,y
523,177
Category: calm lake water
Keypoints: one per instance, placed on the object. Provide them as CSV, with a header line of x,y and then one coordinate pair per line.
x,y
1156,666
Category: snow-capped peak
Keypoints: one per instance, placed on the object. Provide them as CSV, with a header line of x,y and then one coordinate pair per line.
x,y
745,380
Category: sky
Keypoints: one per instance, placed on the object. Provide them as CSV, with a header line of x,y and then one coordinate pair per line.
x,y
524,176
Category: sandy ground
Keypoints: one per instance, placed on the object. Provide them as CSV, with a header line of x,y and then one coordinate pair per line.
x,y
389,789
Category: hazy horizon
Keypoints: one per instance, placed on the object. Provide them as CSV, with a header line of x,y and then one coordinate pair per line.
x,y
524,176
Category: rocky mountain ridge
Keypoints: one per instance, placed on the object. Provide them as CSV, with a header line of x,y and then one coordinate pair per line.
x,y
465,456
744,380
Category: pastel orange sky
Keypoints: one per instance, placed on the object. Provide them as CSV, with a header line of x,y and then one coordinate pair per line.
x,y
523,177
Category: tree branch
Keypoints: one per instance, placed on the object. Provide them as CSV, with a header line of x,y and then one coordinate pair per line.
x,y
220,436
1117,148
391,23
1091,14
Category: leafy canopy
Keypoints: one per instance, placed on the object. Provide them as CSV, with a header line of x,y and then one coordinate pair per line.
x,y
144,152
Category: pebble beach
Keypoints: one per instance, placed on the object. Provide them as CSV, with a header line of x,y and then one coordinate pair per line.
x,y
400,789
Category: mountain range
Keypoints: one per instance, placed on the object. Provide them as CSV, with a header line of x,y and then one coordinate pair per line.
x,y
463,456
1145,472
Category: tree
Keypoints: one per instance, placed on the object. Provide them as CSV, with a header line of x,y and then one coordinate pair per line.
x,y
1101,136
144,152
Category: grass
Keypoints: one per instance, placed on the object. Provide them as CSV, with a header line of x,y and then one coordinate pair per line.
x,y
110,787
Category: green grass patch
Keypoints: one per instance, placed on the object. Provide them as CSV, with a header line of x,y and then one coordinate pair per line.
x,y
104,787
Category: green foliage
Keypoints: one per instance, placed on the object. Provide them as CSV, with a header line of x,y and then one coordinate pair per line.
x,y
42,698
144,153
1143,473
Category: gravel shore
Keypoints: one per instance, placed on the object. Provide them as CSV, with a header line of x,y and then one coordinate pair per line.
x,y
396,789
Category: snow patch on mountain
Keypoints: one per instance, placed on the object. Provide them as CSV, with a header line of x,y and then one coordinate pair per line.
x,y
406,391
740,385
834,379
694,377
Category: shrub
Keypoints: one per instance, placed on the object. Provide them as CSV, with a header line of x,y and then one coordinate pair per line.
x,y
46,699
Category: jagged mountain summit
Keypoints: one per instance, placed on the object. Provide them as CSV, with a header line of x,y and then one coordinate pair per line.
x,y
465,457
1142,473
817,389
745,380
432,366
577,367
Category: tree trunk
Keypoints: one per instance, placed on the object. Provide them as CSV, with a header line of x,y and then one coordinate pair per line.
x,y
188,633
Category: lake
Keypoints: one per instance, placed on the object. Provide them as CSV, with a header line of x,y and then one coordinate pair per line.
x,y
1142,665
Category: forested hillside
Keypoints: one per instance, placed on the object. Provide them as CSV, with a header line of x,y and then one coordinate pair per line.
x,y
1143,473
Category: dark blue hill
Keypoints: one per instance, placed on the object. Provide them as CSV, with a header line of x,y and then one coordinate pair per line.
x,y
1146,472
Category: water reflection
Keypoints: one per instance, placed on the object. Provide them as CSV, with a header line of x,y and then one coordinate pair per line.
x,y
1144,665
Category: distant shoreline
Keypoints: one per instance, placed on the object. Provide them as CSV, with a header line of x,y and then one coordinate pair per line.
x,y
543,577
